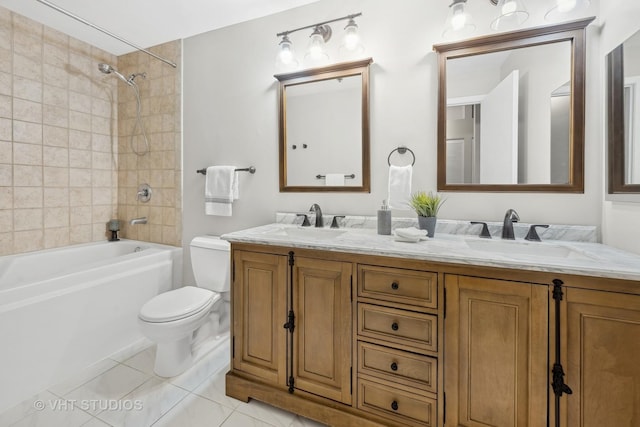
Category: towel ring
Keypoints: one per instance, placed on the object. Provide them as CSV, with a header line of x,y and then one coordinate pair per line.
x,y
402,150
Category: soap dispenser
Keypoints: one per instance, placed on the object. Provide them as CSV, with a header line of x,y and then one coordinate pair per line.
x,y
384,219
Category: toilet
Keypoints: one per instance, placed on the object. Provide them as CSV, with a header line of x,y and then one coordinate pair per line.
x,y
173,319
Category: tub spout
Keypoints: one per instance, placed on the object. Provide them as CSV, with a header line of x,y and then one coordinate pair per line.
x,y
141,220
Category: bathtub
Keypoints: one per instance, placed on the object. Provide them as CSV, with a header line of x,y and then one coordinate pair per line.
x,y
64,309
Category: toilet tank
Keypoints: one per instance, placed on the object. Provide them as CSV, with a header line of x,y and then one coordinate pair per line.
x,y
210,263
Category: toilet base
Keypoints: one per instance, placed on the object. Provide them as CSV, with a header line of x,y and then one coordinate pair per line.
x,y
173,357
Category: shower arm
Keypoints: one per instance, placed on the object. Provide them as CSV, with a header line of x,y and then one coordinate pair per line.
x,y
84,21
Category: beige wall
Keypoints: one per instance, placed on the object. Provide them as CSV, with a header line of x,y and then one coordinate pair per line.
x,y
161,168
58,183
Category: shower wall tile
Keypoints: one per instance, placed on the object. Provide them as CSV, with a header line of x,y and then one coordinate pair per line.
x,y
27,176
6,108
160,167
6,152
58,165
68,140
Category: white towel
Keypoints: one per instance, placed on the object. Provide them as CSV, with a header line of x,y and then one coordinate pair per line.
x,y
400,186
410,234
334,180
221,188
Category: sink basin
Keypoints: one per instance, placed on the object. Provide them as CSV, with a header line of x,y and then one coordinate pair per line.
x,y
529,249
310,233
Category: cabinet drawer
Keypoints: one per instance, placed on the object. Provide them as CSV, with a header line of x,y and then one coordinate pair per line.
x,y
395,404
399,285
399,366
401,327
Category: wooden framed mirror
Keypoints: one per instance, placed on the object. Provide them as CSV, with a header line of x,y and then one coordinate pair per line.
x,y
623,119
511,111
324,129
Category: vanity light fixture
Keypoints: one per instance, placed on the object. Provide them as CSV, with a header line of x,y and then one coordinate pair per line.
x,y
316,53
286,58
459,23
511,14
563,8
352,42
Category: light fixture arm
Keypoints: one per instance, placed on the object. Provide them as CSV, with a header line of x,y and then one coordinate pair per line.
x,y
284,33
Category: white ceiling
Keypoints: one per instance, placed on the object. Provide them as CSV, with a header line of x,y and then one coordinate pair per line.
x,y
146,23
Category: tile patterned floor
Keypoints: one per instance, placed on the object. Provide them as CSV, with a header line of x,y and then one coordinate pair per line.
x,y
127,393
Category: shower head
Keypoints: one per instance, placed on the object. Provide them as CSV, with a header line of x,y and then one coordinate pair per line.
x,y
108,69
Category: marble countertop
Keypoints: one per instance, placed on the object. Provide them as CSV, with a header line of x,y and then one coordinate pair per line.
x,y
556,256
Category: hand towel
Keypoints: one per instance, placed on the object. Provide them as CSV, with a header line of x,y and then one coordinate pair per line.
x,y
221,181
334,180
400,186
410,234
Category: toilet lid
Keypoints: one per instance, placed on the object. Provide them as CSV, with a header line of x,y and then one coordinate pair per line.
x,y
176,304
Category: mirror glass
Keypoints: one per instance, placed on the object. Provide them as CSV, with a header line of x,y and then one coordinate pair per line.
x,y
509,122
511,111
324,129
624,116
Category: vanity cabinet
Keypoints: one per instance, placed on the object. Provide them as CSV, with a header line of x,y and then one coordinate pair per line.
x,y
601,331
397,342
322,333
496,352
292,322
259,309
359,340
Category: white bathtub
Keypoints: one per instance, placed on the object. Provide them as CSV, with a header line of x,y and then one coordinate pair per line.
x,y
61,310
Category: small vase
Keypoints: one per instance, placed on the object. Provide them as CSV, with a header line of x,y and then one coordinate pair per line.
x,y
427,223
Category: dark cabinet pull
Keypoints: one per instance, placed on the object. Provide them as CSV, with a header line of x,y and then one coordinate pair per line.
x,y
394,405
394,326
395,286
394,366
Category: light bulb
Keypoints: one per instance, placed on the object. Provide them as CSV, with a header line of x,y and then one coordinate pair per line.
x,y
565,6
351,36
509,7
316,52
459,19
286,55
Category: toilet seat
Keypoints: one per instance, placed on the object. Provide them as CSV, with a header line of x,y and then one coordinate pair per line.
x,y
177,304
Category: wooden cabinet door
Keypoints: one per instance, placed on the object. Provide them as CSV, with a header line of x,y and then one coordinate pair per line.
x,y
603,359
259,312
496,348
322,336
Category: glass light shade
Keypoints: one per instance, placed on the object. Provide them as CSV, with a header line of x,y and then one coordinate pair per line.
x,y
459,23
317,51
351,43
511,15
564,9
286,57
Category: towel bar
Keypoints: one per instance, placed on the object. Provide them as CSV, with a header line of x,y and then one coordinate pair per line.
x,y
351,176
250,169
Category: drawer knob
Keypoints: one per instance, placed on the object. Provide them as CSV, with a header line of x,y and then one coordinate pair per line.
x,y
395,286
394,326
394,366
394,405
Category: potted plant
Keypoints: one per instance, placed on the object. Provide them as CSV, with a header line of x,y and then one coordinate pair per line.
x,y
427,206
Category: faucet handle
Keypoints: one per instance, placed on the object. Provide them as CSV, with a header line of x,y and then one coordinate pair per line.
x,y
334,222
485,230
532,235
305,221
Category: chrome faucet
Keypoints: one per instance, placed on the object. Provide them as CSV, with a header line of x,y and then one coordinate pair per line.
x,y
316,209
507,227
141,220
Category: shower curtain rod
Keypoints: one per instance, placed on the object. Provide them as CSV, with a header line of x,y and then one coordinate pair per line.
x,y
84,21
